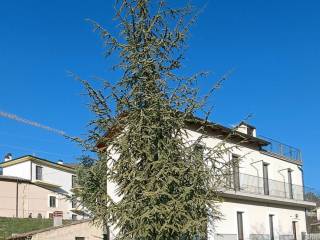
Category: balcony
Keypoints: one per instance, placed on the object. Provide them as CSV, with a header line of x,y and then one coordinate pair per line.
x,y
282,150
250,184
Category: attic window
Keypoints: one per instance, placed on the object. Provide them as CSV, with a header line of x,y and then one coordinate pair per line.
x,y
250,130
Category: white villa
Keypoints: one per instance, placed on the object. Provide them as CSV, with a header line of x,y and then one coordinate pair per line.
x,y
33,187
266,200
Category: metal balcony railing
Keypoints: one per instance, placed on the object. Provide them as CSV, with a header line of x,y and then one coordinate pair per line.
x,y
261,186
282,149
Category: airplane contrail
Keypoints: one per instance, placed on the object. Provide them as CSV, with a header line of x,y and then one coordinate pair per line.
x,y
31,123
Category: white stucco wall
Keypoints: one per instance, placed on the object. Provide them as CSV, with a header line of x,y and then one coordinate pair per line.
x,y
256,219
21,170
53,175
251,161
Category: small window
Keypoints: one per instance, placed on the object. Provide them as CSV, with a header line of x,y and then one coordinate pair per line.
x,y
50,215
240,225
265,179
74,181
236,172
52,201
250,130
74,217
79,238
271,227
74,203
38,173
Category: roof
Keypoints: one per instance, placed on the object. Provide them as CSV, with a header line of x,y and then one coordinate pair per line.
x,y
217,130
29,234
13,179
220,130
42,161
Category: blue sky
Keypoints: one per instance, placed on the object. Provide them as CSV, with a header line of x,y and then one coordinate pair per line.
x,y
272,45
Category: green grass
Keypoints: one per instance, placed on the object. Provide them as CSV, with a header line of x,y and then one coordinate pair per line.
x,y
21,225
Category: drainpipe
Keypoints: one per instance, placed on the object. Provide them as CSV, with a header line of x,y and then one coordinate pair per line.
x,y
304,194
302,174
17,199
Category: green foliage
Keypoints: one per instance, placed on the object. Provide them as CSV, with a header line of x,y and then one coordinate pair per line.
x,y
167,181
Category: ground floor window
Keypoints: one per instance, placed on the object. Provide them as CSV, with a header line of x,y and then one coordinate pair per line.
x,y
52,201
271,227
240,225
294,230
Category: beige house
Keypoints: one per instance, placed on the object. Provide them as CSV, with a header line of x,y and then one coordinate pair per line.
x,y
38,186
80,230
21,198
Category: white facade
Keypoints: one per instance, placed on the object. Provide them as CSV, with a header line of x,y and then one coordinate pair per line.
x,y
53,176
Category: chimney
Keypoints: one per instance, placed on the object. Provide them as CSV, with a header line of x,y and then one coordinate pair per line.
x,y
60,162
247,129
57,218
7,157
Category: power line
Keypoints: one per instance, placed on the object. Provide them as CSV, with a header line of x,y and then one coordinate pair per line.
x,y
31,123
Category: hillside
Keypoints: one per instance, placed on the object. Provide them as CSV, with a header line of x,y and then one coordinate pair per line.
x,y
21,225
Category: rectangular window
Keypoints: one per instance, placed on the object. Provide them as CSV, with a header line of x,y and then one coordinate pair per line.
x,y
236,172
73,181
74,203
290,183
52,201
38,173
74,217
265,179
250,131
294,230
271,227
51,215
240,225
79,238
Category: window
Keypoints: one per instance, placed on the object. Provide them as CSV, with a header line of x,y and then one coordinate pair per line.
x,y
52,201
250,130
236,174
74,217
50,215
294,230
271,227
106,233
80,238
240,225
38,173
290,183
73,203
73,181
265,179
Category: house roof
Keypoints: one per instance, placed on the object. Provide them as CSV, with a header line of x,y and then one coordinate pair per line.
x,y
13,179
214,129
27,235
38,160
222,131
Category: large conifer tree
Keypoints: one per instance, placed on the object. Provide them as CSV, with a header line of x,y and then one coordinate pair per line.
x,y
167,183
